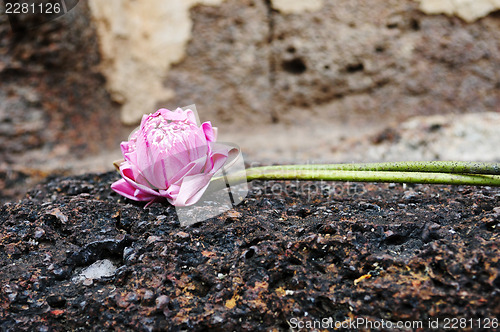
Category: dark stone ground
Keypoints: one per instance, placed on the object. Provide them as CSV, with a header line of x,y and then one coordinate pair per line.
x,y
373,251
366,251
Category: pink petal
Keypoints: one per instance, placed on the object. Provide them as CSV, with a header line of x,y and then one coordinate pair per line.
x,y
192,168
195,149
184,152
144,155
155,171
145,117
179,161
209,132
218,156
136,180
123,188
190,191
190,116
128,155
218,160
124,146
177,115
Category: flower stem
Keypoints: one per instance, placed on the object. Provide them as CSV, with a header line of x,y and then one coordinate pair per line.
x,y
404,166
432,172
374,176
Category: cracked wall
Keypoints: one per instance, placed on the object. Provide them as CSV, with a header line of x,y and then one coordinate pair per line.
x,y
249,62
139,41
262,61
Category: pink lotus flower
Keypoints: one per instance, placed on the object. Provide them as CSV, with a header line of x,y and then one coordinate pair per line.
x,y
170,157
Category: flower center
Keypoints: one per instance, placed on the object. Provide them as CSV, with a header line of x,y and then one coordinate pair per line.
x,y
164,134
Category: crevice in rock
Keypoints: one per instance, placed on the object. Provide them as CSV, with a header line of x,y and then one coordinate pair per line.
x,y
92,252
355,67
295,66
271,58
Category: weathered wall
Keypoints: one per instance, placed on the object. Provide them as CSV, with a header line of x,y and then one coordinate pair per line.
x,y
139,40
382,59
55,113
258,60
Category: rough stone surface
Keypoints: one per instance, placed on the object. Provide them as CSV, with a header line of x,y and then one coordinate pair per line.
x,y
468,137
227,67
469,10
296,6
256,60
310,251
384,60
139,40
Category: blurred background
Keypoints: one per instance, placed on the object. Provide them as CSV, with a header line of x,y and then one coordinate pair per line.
x,y
290,81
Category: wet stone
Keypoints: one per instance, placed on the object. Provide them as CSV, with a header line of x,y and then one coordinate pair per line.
x,y
377,253
148,296
56,301
162,302
152,239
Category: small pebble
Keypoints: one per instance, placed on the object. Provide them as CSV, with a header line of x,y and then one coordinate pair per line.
x,y
88,282
39,233
56,301
182,235
148,295
162,301
152,239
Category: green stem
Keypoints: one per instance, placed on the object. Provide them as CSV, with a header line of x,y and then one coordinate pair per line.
x,y
404,166
433,172
375,176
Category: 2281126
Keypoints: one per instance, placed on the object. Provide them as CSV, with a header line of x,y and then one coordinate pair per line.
x,y
462,323
32,8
